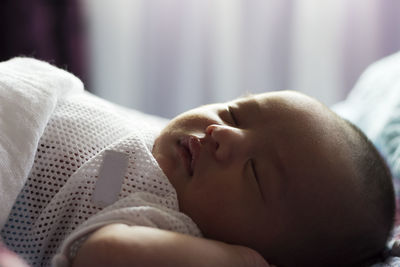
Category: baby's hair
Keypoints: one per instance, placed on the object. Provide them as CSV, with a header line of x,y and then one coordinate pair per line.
x,y
360,237
376,184
367,243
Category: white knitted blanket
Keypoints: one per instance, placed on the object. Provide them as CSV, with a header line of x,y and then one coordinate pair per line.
x,y
91,166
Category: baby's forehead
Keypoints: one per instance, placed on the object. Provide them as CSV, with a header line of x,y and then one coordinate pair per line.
x,y
287,103
299,113
313,142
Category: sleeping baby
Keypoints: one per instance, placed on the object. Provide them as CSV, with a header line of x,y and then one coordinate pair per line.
x,y
275,178
282,174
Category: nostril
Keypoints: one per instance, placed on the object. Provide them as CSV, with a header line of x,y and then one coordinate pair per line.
x,y
210,129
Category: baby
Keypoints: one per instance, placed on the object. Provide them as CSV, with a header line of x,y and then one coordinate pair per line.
x,y
277,172
275,178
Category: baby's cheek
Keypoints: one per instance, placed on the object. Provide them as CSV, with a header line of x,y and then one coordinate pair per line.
x,y
204,201
166,164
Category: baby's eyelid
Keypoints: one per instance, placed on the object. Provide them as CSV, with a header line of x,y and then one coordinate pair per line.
x,y
235,122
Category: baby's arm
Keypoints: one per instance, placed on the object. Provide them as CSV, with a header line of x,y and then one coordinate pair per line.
x,y
123,245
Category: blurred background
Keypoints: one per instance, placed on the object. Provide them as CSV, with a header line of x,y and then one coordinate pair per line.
x,y
166,56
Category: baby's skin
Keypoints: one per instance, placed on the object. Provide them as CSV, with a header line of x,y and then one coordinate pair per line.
x,y
252,174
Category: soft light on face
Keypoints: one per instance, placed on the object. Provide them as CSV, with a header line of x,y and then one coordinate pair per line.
x,y
242,169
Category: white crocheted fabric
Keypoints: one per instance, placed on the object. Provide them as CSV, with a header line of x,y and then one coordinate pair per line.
x,y
55,211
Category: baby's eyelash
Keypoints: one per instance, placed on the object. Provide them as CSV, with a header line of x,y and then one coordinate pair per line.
x,y
235,122
253,169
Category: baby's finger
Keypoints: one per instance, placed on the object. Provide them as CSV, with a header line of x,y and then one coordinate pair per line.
x,y
251,257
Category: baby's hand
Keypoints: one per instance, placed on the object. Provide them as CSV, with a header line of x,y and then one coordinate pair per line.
x,y
123,245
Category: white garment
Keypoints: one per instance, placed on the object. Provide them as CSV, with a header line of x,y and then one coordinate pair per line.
x,y
29,91
55,211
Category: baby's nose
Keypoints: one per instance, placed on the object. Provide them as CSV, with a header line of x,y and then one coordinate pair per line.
x,y
225,140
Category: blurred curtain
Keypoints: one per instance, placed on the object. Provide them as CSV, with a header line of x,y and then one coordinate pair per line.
x,y
51,30
166,56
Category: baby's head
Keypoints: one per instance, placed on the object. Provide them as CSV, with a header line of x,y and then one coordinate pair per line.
x,y
280,173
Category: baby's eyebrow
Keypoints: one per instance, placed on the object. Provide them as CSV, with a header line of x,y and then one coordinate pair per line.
x,y
246,94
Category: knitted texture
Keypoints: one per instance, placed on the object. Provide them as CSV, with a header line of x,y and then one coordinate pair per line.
x,y
54,211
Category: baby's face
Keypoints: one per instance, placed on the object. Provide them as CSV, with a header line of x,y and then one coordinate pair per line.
x,y
249,170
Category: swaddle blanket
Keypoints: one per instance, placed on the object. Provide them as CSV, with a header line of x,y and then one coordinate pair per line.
x,y
92,166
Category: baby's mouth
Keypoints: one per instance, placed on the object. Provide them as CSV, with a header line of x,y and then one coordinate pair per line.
x,y
189,151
